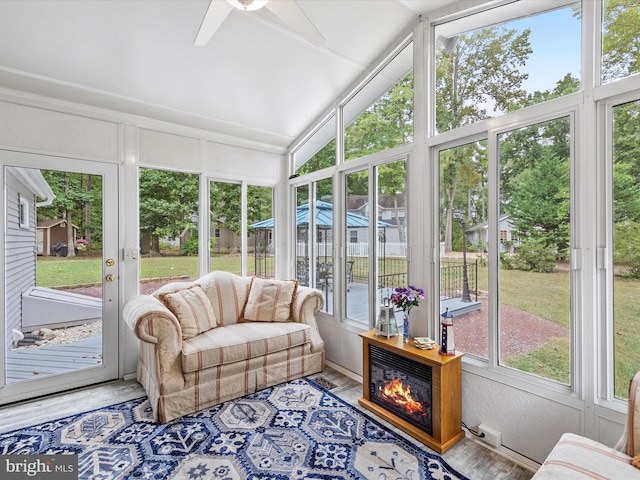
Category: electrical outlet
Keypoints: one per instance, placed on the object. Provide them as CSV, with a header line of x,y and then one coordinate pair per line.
x,y
491,436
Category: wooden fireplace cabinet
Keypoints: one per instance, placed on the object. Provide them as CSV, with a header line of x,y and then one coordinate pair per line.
x,y
446,388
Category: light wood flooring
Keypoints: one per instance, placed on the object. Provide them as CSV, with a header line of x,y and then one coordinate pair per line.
x,y
468,457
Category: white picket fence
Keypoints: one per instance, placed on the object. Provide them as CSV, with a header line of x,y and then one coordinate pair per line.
x,y
360,249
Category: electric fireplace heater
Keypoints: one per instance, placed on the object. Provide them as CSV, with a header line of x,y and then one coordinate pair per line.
x,y
418,391
402,386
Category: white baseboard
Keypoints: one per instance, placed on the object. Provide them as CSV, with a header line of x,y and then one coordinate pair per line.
x,y
343,371
515,457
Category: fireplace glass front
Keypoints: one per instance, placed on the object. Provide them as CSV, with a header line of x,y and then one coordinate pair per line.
x,y
401,386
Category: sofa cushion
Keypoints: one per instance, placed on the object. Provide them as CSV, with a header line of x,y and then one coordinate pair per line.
x,y
192,308
577,457
270,300
239,342
227,293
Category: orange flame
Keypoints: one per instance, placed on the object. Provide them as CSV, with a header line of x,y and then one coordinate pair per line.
x,y
396,392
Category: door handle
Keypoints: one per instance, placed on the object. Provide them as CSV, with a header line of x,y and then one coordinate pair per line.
x,y
110,277
110,262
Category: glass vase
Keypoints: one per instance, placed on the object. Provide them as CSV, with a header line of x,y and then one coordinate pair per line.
x,y
405,327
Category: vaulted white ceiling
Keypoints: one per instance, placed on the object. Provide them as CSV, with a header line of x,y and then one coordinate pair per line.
x,y
255,80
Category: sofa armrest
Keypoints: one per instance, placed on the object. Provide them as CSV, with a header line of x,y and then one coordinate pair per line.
x,y
161,340
307,303
150,319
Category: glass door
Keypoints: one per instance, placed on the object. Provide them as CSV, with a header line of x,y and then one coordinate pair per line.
x,y
60,316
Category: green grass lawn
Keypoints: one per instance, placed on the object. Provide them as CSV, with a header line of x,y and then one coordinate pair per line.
x,y
543,294
64,272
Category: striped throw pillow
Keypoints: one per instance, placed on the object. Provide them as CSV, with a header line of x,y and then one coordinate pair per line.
x,y
270,300
193,310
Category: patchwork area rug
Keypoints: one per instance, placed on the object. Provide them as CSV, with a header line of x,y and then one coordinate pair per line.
x,y
295,430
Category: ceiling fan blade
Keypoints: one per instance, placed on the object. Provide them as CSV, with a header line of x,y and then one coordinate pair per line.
x,y
291,16
216,13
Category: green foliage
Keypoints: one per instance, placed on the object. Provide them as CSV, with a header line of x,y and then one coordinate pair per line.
x,y
190,246
225,203
259,203
627,334
506,261
323,158
620,39
386,123
167,202
539,206
483,68
79,196
535,255
626,241
565,86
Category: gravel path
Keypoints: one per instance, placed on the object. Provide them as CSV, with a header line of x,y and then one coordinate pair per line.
x,y
520,332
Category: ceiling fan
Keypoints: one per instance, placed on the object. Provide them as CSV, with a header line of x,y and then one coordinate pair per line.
x,y
284,12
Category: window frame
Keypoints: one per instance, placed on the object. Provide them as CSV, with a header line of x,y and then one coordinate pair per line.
x,y
489,130
23,212
609,98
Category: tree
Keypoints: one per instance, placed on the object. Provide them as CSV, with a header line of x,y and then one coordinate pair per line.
x,y
392,180
167,202
462,169
323,158
620,39
539,206
225,203
75,195
482,70
386,123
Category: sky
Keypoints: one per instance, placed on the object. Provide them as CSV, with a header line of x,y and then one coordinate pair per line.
x,y
555,40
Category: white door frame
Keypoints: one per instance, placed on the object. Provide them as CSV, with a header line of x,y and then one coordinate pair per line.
x,y
109,367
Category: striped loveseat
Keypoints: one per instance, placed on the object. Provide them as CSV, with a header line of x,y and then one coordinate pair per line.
x,y
221,337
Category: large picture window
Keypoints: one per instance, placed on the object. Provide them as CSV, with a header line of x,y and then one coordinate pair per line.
x,y
534,279
227,247
464,237
225,201
168,227
379,117
489,64
626,244
356,261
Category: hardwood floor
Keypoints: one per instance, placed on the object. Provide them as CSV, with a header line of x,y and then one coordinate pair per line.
x,y
468,456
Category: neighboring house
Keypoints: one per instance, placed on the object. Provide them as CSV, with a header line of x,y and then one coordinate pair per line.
x,y
226,241
52,232
478,235
23,188
391,212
